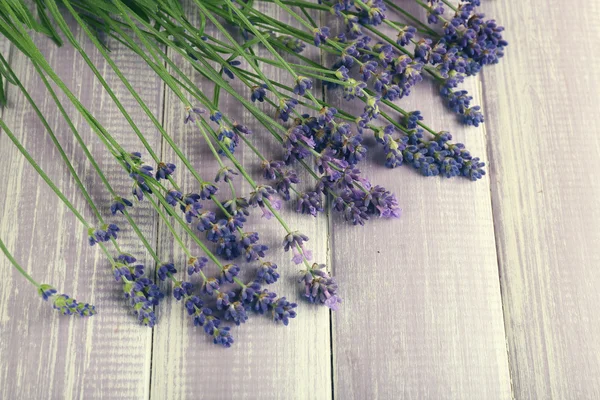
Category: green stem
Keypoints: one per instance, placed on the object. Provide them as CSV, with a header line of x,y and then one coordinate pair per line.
x,y
42,174
16,265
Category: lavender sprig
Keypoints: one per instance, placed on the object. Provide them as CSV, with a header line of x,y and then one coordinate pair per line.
x,y
60,302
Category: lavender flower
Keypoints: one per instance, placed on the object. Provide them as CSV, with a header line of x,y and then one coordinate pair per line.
x,y
173,197
295,242
282,310
229,272
320,287
302,85
286,106
119,205
266,273
191,113
201,315
166,269
373,12
102,235
228,247
263,196
405,35
225,174
195,265
64,304
320,35
435,10
310,203
236,312
164,170
411,119
143,295
210,286
182,289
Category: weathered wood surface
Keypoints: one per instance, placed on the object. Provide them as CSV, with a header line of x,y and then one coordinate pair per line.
x,y
423,296
544,143
422,316
268,361
43,355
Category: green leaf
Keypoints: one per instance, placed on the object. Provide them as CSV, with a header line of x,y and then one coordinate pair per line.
x,y
45,22
2,92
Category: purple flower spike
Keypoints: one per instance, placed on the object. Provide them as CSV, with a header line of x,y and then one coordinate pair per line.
x,y
164,170
259,93
321,288
320,35
302,85
191,113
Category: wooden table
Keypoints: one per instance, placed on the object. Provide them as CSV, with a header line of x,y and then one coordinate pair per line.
x,y
484,290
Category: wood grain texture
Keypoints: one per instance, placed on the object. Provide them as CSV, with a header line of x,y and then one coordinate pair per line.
x,y
545,141
422,314
42,354
268,360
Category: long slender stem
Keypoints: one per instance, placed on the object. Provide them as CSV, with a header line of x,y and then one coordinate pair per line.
x,y
42,174
16,265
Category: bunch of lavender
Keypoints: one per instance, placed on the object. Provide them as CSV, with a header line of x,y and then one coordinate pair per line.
x,y
141,290
389,68
326,142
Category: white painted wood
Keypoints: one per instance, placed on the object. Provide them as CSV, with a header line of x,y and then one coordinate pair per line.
x,y
42,354
268,361
544,145
422,314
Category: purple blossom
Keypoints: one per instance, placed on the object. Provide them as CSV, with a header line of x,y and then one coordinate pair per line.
x,y
64,304
207,189
119,205
228,247
373,12
411,119
261,197
206,219
164,170
182,289
191,113
229,272
238,128
259,93
210,286
196,264
367,70
320,35
342,73
236,312
321,288
143,295
283,310
286,106
295,242
166,269
302,85
405,35
173,197
266,273
310,203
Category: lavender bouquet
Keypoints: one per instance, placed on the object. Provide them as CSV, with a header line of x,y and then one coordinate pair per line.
x,y
374,53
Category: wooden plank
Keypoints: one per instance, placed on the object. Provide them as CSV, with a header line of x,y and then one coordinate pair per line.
x,y
42,354
267,361
544,140
422,313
